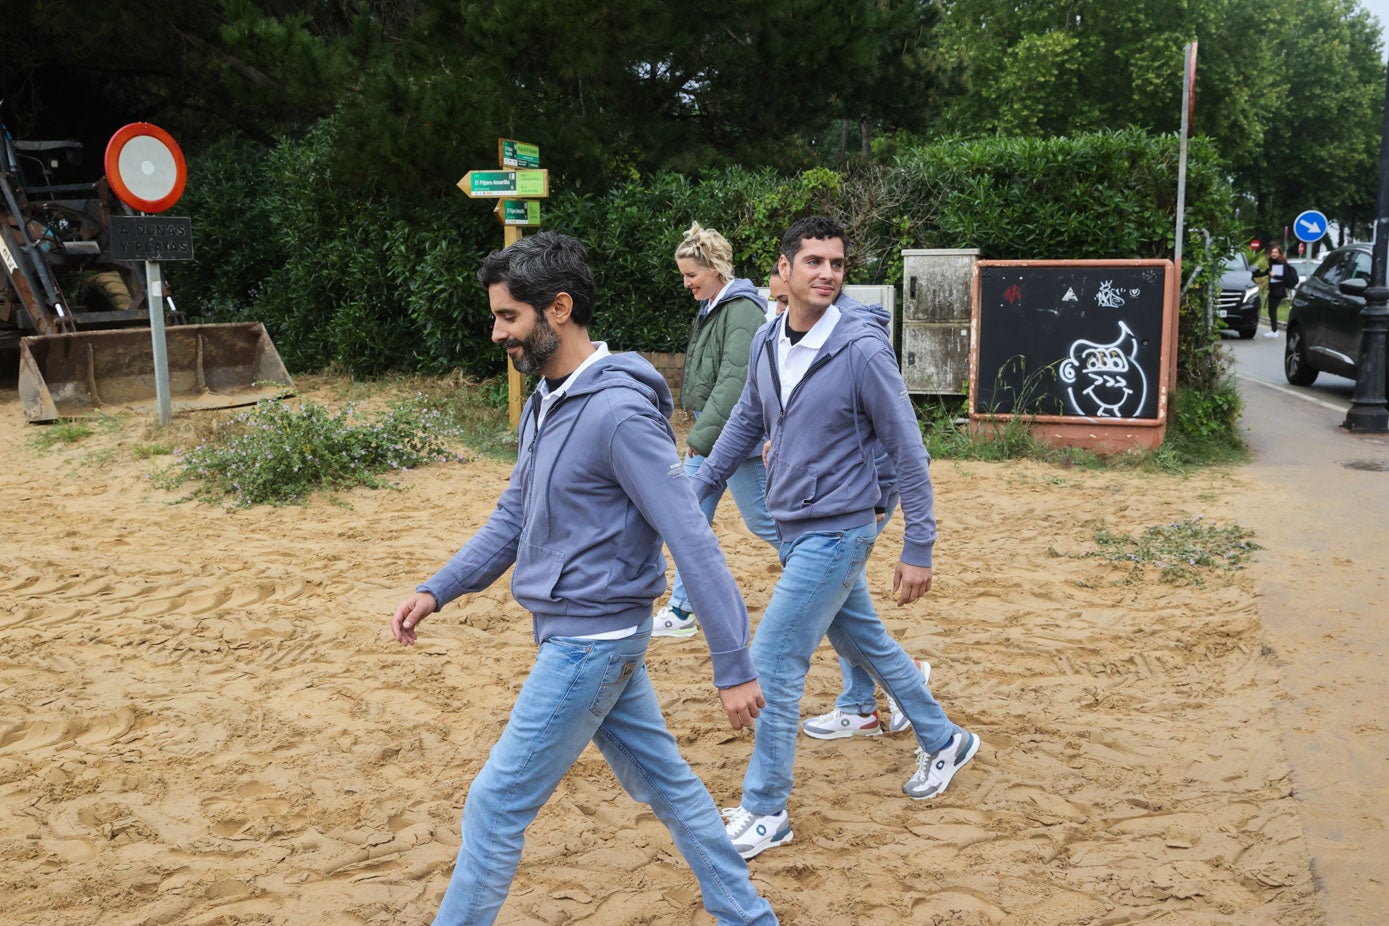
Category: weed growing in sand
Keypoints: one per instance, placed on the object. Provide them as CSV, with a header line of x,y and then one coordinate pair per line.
x,y
1181,550
155,449
278,454
72,430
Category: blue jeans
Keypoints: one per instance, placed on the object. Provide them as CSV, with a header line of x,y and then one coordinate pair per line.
x,y
823,590
580,691
860,694
749,487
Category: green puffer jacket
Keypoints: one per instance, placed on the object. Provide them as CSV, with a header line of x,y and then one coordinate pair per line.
x,y
716,361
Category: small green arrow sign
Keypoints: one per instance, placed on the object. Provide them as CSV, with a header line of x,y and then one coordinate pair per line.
x,y
524,212
482,184
512,153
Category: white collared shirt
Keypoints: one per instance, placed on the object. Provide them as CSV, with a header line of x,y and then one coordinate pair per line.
x,y
793,360
548,398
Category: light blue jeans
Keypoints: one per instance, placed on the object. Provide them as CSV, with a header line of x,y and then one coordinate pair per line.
x,y
580,691
749,487
823,590
860,694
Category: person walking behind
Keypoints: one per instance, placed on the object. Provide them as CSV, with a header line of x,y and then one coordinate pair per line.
x,y
1281,280
825,385
596,486
716,365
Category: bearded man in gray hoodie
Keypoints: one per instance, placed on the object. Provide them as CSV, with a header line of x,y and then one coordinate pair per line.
x,y
597,485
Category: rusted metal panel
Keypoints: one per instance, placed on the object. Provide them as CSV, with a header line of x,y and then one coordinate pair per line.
x,y
210,366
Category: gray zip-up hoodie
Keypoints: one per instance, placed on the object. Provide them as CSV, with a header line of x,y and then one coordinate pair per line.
x,y
821,474
594,491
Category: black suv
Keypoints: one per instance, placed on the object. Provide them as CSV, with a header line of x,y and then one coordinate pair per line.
x,y
1324,322
1239,297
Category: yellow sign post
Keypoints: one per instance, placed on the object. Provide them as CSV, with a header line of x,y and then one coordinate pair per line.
x,y
516,190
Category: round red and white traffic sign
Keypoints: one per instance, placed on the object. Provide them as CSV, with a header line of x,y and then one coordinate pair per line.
x,y
145,167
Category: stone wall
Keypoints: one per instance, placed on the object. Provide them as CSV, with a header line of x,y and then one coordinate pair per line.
x,y
670,366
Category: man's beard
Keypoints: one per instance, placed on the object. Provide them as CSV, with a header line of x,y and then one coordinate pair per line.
x,y
538,347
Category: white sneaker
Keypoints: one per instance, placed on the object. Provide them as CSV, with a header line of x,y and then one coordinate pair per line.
x,y
935,769
1270,334
838,724
899,721
752,834
671,621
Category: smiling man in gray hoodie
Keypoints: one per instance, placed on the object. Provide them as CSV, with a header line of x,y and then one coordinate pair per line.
x,y
824,385
597,485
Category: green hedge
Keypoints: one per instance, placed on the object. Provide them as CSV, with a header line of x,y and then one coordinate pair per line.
x,y
384,284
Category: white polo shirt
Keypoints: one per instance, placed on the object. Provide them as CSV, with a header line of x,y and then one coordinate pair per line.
x,y
793,360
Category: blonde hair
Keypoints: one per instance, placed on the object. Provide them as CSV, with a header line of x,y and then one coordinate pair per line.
x,y
709,248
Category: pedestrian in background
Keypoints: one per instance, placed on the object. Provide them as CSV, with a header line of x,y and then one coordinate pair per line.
x,y
716,367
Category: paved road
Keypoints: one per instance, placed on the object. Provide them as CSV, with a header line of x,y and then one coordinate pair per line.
x,y
1319,504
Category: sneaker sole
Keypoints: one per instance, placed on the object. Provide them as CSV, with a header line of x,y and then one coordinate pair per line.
x,y
683,634
955,770
772,843
842,734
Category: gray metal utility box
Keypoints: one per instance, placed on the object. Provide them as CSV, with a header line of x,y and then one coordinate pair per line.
x,y
936,320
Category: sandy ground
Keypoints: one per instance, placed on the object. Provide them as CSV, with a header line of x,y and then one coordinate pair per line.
x,y
203,719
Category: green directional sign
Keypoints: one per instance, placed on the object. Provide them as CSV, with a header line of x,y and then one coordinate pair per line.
x,y
512,153
523,212
482,184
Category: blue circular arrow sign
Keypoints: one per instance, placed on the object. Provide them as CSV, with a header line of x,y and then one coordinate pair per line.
x,y
1310,226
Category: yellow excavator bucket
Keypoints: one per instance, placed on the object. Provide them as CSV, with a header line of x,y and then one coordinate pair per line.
x,y
210,366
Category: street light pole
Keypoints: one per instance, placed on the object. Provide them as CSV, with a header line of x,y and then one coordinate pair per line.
x,y
1367,412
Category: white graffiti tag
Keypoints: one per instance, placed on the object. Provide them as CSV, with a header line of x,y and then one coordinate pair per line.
x,y
1108,297
1107,380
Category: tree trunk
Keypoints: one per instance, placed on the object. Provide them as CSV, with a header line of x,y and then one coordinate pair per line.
x,y
865,148
843,139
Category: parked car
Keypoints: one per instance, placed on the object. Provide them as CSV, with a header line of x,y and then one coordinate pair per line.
x,y
1324,323
1305,267
1239,297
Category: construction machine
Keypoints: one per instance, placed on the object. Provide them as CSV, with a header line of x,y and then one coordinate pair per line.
x,y
80,317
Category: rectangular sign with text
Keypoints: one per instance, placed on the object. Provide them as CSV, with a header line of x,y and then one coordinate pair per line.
x,y
496,183
151,237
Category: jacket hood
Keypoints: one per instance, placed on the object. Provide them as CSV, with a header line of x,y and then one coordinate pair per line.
x,y
874,312
626,370
739,288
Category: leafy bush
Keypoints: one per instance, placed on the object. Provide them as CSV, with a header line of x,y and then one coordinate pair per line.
x,y
383,283
277,454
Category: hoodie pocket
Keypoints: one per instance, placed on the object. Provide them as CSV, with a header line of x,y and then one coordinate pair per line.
x,y
797,486
537,573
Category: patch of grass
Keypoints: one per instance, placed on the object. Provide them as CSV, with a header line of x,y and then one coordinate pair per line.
x,y
155,449
277,454
1202,430
72,430
64,431
1182,551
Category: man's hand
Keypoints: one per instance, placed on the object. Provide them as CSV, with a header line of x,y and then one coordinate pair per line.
x,y
742,703
910,582
766,447
408,615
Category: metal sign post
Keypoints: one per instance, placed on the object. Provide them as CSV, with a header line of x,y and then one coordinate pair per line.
x,y
154,289
146,170
516,191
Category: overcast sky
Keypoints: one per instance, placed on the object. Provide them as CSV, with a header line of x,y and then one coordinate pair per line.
x,y
1379,9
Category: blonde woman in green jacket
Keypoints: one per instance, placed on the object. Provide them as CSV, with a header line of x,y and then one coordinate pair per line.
x,y
716,367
